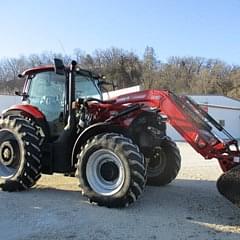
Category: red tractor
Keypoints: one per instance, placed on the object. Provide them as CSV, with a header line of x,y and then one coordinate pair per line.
x,y
114,147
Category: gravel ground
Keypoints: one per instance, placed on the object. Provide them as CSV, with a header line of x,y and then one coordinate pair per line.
x,y
188,208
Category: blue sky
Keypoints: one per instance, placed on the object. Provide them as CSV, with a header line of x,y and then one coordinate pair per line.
x,y
206,28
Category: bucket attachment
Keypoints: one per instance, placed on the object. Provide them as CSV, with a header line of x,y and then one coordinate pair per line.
x,y
228,185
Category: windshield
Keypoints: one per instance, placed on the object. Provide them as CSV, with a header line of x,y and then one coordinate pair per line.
x,y
47,92
85,87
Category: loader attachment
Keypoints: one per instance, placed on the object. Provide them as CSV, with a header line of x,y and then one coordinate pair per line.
x,y
200,130
209,139
228,184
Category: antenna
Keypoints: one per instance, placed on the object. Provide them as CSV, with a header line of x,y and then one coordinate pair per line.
x,y
62,47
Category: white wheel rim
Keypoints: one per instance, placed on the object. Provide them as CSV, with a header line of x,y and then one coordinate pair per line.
x,y
100,161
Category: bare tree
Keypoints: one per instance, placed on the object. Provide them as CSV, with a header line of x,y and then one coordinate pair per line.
x,y
189,75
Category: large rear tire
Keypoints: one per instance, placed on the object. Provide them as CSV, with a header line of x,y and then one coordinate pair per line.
x,y
20,155
111,170
164,164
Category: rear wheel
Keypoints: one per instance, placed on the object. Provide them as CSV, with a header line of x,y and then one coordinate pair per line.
x,y
164,163
111,170
20,155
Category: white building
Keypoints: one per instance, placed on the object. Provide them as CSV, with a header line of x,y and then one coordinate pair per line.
x,y
7,100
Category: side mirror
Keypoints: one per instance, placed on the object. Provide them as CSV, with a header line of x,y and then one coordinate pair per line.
x,y
18,93
101,84
59,67
22,94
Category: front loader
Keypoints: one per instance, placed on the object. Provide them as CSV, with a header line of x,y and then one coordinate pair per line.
x,y
114,147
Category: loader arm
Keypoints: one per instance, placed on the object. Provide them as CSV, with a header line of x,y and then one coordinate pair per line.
x,y
200,130
195,125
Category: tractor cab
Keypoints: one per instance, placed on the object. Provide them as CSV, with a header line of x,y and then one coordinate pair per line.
x,y
49,92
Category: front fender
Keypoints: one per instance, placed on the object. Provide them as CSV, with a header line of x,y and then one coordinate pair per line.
x,y
91,131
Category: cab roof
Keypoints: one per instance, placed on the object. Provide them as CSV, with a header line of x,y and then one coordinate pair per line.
x,y
45,68
38,69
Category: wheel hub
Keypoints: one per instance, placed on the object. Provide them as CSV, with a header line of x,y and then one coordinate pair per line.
x,y
7,154
157,162
109,171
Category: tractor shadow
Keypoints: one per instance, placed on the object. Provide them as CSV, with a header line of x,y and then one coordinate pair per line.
x,y
182,195
197,193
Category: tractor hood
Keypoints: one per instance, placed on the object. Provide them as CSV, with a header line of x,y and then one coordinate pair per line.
x,y
141,96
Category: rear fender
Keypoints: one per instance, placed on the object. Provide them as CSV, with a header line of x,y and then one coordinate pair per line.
x,y
30,112
91,131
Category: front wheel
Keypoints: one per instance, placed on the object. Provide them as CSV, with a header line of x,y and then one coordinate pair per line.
x,y
111,170
164,163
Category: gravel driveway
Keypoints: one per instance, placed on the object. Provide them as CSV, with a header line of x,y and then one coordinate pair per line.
x,y
188,208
